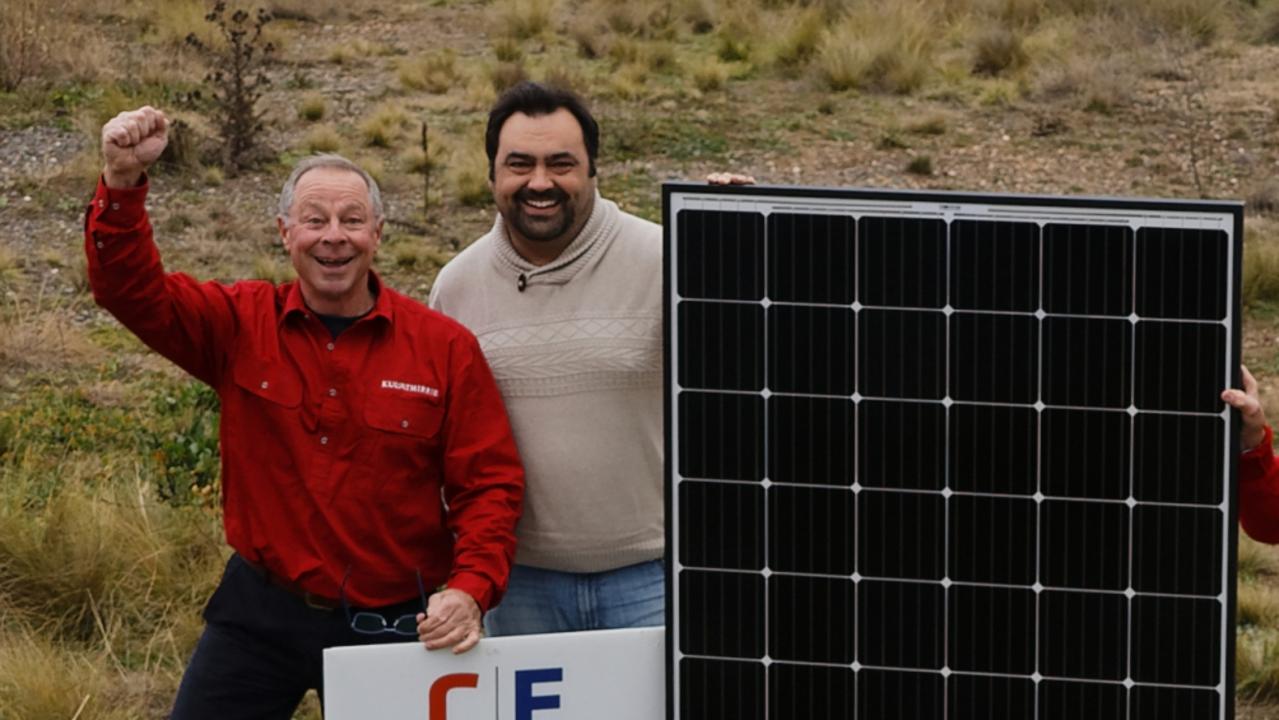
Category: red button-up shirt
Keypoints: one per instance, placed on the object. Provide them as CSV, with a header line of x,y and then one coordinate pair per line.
x,y
381,453
1259,491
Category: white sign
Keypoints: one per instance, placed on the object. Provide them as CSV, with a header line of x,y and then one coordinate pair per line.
x,y
615,674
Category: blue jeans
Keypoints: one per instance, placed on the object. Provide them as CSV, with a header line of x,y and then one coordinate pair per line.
x,y
549,601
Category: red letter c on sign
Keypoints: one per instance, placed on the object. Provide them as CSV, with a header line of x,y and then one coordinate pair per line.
x,y
440,690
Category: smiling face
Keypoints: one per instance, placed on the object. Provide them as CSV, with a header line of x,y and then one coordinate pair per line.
x,y
542,183
331,236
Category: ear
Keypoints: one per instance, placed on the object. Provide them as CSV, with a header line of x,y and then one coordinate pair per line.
x,y
377,235
284,231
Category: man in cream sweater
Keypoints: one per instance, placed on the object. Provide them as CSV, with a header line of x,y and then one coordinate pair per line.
x,y
565,296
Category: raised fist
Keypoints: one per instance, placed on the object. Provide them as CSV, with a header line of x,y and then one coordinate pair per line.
x,y
131,142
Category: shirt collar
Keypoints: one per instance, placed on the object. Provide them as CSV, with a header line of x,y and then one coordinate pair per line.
x,y
295,304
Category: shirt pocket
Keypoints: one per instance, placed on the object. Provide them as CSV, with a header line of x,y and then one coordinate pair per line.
x,y
273,383
402,443
407,417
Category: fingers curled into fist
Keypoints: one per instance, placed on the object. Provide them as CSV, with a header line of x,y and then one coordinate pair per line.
x,y
131,142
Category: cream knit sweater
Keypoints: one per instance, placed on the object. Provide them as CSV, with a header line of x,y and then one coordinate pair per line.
x,y
578,358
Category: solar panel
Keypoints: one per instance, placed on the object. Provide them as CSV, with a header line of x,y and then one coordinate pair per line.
x,y
946,456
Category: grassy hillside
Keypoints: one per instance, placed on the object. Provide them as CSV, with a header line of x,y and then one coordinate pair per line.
x,y
110,538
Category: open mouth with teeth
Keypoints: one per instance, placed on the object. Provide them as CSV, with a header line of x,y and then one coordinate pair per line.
x,y
334,262
543,202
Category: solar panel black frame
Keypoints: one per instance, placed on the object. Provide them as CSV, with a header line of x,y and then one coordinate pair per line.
x,y
745,687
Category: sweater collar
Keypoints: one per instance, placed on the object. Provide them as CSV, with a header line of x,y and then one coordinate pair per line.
x,y
594,237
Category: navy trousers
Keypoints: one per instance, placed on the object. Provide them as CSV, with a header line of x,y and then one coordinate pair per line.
x,y
262,649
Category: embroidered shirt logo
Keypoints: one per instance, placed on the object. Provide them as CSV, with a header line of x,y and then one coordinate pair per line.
x,y
426,390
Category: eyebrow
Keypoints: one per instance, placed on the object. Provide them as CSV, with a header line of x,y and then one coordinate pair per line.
x,y
553,157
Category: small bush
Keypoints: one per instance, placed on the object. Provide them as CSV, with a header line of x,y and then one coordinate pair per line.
x,y
523,19
998,50
433,72
239,79
920,165
312,107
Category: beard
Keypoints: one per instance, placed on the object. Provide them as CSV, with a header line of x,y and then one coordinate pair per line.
x,y
541,228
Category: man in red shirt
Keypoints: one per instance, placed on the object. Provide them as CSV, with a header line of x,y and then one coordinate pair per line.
x,y
366,453
1258,469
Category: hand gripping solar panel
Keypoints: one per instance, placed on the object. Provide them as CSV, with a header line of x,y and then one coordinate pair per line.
x,y
936,456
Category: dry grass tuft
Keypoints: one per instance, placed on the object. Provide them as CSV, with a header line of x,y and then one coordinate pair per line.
x,y
1097,83
416,161
1267,29
35,44
710,74
322,139
384,126
468,176
879,47
928,125
504,75
920,165
1202,21
316,10
273,268
312,107
798,37
522,19
1256,560
416,253
1260,269
433,72
997,51
590,37
1264,200
507,49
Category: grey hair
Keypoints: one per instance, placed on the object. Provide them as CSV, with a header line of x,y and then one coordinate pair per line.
x,y
326,160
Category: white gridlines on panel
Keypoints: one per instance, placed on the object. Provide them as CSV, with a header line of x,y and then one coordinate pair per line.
x,y
948,212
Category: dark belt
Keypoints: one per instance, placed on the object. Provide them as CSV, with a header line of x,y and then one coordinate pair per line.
x,y
308,598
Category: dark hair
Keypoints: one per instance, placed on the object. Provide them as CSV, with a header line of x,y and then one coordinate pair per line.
x,y
534,99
